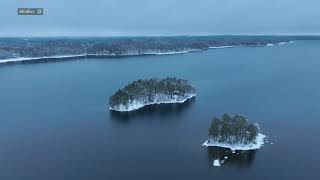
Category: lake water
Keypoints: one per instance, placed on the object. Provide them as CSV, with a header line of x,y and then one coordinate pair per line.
x,y
54,121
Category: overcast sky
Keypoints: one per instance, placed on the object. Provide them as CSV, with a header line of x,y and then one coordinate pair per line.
x,y
160,17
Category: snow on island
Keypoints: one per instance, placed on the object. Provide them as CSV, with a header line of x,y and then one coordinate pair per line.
x,y
216,163
141,93
235,133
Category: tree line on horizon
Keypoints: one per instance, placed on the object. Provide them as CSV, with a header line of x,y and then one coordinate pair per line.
x,y
40,47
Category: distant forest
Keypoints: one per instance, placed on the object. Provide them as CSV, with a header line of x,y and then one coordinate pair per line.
x,y
126,46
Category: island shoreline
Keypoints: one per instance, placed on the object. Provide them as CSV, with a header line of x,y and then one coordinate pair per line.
x,y
139,106
257,144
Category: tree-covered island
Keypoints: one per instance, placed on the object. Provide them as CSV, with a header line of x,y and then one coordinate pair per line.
x,y
234,132
140,93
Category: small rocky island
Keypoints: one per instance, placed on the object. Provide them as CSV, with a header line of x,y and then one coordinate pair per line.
x,y
235,133
145,92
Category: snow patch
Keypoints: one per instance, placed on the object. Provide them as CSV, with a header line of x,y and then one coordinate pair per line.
x,y
175,52
283,43
159,99
256,144
216,163
18,59
222,47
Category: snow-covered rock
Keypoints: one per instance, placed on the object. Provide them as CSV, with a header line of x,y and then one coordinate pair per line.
x,y
216,163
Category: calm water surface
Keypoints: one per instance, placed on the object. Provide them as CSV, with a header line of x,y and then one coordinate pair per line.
x,y
54,122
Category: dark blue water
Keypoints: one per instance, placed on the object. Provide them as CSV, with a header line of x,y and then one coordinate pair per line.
x,y
54,122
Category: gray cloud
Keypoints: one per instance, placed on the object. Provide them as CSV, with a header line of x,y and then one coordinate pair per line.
x,y
160,17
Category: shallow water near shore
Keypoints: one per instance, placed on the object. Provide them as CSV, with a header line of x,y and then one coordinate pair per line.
x,y
55,122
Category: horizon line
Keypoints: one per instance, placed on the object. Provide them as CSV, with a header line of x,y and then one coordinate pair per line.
x,y
176,35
